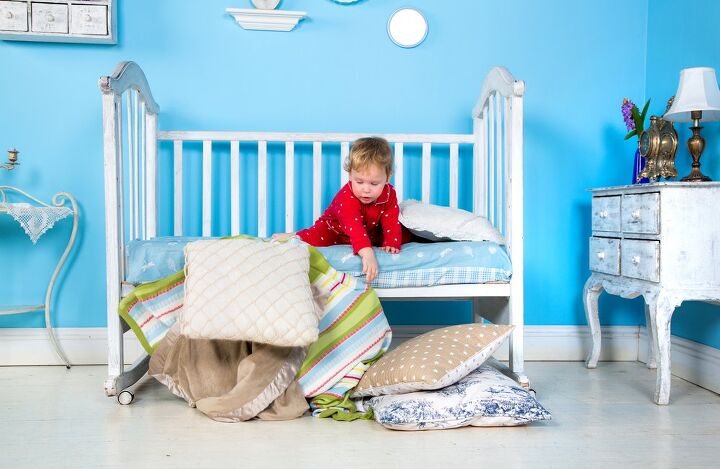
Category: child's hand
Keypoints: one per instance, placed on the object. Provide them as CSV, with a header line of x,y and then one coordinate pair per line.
x,y
369,264
390,250
282,236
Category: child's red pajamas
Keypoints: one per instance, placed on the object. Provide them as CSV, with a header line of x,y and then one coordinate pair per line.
x,y
349,221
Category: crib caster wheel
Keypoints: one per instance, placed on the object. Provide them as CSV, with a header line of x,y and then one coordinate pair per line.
x,y
125,398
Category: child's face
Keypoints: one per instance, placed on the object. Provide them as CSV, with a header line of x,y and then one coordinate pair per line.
x,y
368,183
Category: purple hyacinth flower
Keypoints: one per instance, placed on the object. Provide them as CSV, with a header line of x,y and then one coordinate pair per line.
x,y
627,106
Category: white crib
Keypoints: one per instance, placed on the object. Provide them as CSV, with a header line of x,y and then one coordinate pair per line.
x,y
131,139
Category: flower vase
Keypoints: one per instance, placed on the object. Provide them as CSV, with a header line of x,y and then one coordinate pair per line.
x,y
638,166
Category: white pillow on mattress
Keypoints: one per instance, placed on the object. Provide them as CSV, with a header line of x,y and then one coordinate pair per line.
x,y
248,289
438,223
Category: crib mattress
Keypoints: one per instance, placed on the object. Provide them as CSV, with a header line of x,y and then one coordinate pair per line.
x,y
417,265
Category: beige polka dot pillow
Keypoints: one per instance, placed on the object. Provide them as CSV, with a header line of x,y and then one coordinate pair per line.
x,y
433,360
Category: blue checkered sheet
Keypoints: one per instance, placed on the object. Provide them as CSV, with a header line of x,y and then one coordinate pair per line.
x,y
417,265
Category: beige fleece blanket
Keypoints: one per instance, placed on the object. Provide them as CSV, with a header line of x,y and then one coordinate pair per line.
x,y
231,381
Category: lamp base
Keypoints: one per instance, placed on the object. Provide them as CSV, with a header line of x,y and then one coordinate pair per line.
x,y
695,176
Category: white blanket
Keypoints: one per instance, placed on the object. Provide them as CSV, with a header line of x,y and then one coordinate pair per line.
x,y
249,289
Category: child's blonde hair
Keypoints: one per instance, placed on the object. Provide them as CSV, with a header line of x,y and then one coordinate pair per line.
x,y
370,150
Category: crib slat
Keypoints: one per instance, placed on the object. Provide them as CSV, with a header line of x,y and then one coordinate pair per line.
x,y
399,171
492,120
507,126
151,191
143,169
454,175
131,164
234,188
289,187
178,187
207,189
317,179
499,166
426,152
262,189
136,154
344,153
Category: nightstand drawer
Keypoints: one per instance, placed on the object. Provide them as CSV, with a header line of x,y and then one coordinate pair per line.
x,y
641,213
606,213
605,255
640,259
49,17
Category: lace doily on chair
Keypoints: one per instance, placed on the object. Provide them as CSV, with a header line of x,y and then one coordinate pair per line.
x,y
35,220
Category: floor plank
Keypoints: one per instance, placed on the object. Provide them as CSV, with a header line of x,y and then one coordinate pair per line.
x,y
50,417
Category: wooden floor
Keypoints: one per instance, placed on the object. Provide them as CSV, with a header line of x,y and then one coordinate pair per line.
x,y
50,417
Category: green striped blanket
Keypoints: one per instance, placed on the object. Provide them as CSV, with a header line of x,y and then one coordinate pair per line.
x,y
354,332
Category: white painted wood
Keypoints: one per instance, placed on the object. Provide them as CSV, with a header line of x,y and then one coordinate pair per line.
x,y
266,20
141,128
605,255
399,172
112,149
234,188
426,165
499,165
177,188
446,291
88,345
640,213
317,180
479,202
224,136
492,161
207,190
453,175
129,75
289,187
344,154
59,21
606,213
640,259
13,16
262,189
151,180
132,164
667,267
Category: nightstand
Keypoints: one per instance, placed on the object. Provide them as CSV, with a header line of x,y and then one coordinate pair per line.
x,y
661,241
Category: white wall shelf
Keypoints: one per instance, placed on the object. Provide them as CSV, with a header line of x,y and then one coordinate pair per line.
x,y
266,20
88,21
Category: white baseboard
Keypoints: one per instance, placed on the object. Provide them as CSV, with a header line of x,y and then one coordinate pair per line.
x,y
691,361
557,343
697,363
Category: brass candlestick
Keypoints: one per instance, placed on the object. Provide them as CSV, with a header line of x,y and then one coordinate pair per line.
x,y
12,160
696,145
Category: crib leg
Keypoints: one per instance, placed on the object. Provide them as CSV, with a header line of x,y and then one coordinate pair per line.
x,y
115,384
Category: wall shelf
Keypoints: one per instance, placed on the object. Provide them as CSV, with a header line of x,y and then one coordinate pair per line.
x,y
266,20
88,21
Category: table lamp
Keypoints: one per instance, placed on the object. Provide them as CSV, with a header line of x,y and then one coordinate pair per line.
x,y
697,97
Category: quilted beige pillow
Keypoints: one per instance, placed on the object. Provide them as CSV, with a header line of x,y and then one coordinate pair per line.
x,y
433,360
248,289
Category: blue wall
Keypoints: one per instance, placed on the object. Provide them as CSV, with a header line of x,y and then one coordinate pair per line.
x,y
674,45
337,72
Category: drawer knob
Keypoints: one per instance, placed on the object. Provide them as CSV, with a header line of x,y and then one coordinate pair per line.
x,y
87,18
49,18
9,15
635,260
601,255
603,214
636,215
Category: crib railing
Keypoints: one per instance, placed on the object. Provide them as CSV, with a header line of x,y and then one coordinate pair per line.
x,y
257,143
131,139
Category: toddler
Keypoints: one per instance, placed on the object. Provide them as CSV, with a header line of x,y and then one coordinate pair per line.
x,y
364,212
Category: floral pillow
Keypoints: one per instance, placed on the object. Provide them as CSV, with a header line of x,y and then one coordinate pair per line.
x,y
484,398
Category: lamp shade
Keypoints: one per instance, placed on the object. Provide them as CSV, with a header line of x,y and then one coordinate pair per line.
x,y
697,91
